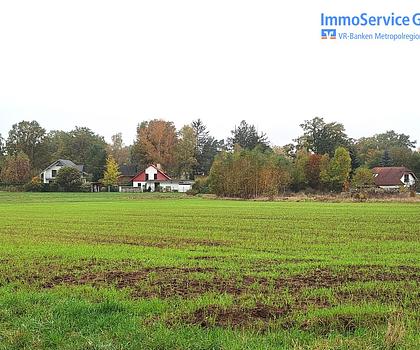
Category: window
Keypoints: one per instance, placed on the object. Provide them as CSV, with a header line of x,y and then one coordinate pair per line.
x,y
155,176
53,173
147,177
406,178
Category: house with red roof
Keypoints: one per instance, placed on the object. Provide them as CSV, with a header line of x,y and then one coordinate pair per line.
x,y
154,179
394,177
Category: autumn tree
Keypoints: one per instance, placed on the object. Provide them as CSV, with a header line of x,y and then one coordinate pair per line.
x,y
321,137
16,169
29,138
363,177
249,173
247,137
155,144
111,173
313,170
185,152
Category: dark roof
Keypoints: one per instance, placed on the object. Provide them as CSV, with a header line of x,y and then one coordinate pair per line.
x,y
128,170
389,176
66,163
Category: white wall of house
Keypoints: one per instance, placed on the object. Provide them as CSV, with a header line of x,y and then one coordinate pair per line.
x,y
47,175
151,172
165,186
411,180
184,187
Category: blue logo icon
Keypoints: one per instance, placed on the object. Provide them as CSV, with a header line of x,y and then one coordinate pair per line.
x,y
328,33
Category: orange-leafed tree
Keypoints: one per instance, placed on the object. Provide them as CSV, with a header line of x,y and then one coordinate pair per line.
x,y
155,144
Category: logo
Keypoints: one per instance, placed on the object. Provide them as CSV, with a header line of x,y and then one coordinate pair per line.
x,y
328,33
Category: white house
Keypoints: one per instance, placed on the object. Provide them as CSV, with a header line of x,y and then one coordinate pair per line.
x,y
394,177
49,173
153,179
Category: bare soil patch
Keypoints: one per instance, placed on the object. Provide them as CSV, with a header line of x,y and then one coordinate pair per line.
x,y
162,242
236,316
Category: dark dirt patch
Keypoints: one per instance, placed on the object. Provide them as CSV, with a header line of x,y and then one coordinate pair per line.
x,y
326,278
236,316
166,282
206,257
161,242
119,279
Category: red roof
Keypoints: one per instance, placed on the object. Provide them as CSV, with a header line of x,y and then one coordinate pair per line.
x,y
141,176
390,176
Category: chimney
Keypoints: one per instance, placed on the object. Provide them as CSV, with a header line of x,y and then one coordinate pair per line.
x,y
158,166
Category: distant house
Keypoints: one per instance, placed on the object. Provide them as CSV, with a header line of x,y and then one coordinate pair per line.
x,y
153,179
50,172
127,173
394,177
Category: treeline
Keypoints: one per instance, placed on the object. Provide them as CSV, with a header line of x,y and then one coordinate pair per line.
x,y
245,164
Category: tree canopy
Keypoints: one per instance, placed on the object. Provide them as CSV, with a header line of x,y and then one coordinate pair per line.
x,y
321,137
247,137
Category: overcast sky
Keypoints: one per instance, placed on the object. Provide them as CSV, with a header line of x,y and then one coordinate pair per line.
x,y
108,65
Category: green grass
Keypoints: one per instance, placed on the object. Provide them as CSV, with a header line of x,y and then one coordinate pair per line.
x,y
140,271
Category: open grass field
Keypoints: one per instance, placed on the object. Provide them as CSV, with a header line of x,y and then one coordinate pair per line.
x,y
121,271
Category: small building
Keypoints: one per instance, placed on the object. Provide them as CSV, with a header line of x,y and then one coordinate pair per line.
x,y
153,179
127,172
49,174
394,177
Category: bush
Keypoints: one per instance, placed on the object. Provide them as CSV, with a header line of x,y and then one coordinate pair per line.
x,y
69,179
86,187
192,192
35,185
201,185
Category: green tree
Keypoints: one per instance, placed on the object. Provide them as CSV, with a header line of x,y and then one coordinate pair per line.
x,y
247,137
371,150
111,173
324,176
206,148
386,159
16,169
320,137
185,152
2,152
339,169
69,179
363,177
118,150
82,146
400,156
29,138
299,172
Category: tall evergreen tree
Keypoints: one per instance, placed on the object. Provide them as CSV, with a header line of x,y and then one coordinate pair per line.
x,y
386,159
247,137
206,148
